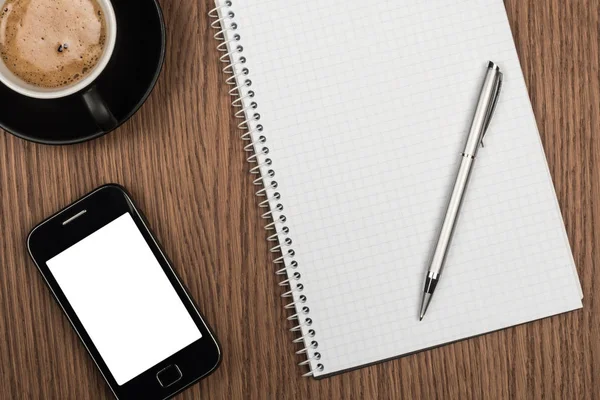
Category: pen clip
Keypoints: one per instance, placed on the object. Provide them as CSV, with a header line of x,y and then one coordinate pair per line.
x,y
490,113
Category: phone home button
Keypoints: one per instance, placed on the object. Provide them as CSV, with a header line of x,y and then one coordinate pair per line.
x,y
169,375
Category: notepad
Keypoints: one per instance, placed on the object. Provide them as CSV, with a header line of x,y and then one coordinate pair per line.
x,y
356,114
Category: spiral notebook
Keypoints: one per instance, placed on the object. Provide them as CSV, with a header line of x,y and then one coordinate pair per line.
x,y
354,116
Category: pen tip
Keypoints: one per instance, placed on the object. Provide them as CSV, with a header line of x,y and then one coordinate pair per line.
x,y
424,305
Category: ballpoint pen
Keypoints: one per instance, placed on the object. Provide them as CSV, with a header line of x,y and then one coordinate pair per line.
x,y
481,120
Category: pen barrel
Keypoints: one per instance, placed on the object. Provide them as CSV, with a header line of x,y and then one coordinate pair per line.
x,y
483,110
452,212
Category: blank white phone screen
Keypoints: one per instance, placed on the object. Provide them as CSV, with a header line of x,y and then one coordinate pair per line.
x,y
124,299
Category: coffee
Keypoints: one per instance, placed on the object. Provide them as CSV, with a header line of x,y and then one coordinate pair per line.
x,y
51,43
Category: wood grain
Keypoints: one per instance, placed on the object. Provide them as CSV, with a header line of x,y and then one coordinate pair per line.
x,y
181,160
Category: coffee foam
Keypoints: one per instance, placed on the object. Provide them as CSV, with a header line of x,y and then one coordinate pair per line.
x,y
51,43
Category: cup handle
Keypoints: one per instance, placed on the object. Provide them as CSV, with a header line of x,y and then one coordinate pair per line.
x,y
99,110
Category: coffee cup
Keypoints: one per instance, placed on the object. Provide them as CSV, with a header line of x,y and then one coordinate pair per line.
x,y
108,94
32,90
90,96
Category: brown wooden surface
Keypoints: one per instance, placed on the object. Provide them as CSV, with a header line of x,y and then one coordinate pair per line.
x,y
181,160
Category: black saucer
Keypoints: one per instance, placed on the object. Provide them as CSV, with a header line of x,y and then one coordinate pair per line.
x,y
124,85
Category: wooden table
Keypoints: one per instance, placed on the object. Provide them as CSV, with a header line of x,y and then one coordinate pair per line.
x,y
182,161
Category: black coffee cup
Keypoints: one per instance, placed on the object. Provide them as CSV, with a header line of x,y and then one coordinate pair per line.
x,y
96,105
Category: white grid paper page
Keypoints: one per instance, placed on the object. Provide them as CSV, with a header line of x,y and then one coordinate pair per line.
x,y
366,107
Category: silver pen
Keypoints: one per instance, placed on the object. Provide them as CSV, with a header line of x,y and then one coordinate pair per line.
x,y
481,120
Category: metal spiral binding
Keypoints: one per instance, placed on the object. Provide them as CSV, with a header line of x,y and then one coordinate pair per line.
x,y
246,109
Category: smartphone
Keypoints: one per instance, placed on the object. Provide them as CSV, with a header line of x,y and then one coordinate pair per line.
x,y
122,297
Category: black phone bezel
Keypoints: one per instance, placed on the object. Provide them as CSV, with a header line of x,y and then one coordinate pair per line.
x,y
102,206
